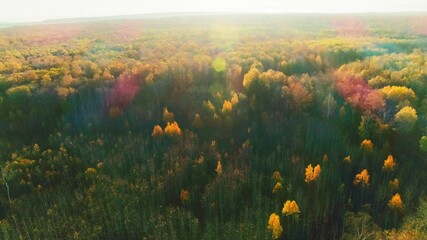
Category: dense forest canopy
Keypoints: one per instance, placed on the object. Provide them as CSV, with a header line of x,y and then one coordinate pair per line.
x,y
297,126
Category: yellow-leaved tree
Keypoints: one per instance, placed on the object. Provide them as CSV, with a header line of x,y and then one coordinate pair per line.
x,y
157,131
362,178
396,203
172,129
389,163
290,208
311,174
274,225
406,119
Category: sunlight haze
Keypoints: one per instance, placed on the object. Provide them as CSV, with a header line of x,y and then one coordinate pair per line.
x,y
26,10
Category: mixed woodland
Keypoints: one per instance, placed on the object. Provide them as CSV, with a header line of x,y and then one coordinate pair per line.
x,y
215,127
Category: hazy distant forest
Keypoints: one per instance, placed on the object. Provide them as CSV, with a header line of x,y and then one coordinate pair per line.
x,y
215,127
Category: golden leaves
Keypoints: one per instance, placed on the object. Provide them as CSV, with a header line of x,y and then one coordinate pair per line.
x,y
22,89
172,129
157,132
227,107
367,146
362,178
249,77
406,119
274,225
218,168
398,93
389,164
290,208
311,174
395,202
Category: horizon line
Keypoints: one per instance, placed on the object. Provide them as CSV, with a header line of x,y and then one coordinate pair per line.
x,y
201,13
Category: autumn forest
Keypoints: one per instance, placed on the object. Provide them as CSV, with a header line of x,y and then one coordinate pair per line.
x,y
250,126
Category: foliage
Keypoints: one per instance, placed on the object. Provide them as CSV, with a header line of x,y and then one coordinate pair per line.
x,y
362,178
91,148
172,129
274,226
406,119
389,163
396,202
360,226
311,174
367,145
290,208
157,131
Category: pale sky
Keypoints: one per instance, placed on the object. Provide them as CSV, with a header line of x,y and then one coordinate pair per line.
x,y
37,10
